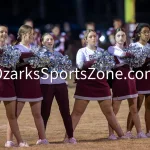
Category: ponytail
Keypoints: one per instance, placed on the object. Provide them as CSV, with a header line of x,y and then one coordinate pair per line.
x,y
17,41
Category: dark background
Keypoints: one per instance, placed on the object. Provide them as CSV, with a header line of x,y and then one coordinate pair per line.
x,y
102,12
75,12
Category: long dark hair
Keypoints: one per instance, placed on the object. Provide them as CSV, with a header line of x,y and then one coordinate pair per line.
x,y
138,29
123,30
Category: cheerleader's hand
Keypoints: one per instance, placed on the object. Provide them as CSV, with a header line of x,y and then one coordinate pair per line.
x,y
88,64
95,61
129,55
147,60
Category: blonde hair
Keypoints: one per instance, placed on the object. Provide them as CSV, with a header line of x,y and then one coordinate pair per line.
x,y
87,33
23,30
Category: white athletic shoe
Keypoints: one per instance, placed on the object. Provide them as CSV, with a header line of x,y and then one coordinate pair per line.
x,y
112,137
10,144
23,144
70,140
44,141
129,135
141,135
124,137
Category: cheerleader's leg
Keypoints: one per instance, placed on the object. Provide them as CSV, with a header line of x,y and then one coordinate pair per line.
x,y
36,112
12,118
134,113
106,107
147,113
18,108
78,110
130,122
116,106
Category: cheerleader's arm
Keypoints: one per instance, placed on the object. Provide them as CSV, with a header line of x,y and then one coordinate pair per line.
x,y
115,52
81,63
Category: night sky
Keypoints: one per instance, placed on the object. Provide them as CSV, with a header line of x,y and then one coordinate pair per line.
x,y
58,11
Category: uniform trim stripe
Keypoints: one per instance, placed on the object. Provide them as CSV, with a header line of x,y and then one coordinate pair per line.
x,y
8,98
93,98
144,92
30,99
125,97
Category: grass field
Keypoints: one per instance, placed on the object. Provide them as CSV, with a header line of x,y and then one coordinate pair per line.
x,y
91,132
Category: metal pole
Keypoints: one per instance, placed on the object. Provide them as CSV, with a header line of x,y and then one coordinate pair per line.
x,y
80,13
42,9
120,9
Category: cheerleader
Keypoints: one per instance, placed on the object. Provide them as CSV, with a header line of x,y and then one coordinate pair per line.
x,y
8,95
37,37
141,37
28,88
124,88
89,25
92,90
117,23
58,88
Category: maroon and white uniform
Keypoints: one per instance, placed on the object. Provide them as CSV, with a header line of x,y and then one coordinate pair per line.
x,y
27,88
90,89
142,85
7,88
125,87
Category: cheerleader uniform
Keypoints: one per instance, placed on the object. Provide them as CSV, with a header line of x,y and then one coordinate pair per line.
x,y
58,88
27,88
125,87
7,88
90,89
142,85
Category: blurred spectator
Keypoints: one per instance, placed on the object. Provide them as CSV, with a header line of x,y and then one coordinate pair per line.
x,y
60,39
29,22
67,27
37,37
130,28
69,39
70,49
117,23
48,27
10,39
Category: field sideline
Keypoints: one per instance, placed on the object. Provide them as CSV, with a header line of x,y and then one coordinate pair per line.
x,y
91,133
